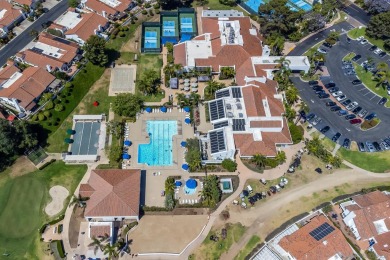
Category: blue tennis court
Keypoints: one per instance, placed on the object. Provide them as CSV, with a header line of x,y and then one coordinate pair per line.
x,y
301,4
186,24
150,39
168,28
86,138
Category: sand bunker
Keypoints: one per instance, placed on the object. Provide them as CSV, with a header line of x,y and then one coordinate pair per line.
x,y
58,195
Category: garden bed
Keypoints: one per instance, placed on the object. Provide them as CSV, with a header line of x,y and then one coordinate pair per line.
x,y
369,124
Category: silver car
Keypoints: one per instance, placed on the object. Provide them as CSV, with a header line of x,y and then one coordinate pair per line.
x,y
352,105
370,147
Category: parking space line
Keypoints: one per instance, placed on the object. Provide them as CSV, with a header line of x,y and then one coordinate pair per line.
x,y
367,93
362,89
373,97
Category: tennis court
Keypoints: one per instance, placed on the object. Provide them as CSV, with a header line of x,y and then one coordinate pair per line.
x,y
186,24
150,40
86,138
302,4
168,28
36,156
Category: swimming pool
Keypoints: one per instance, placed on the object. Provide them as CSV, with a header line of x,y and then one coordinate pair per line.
x,y
159,151
293,4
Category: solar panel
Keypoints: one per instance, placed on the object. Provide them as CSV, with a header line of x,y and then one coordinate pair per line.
x,y
221,124
236,92
321,231
238,124
217,109
217,141
223,93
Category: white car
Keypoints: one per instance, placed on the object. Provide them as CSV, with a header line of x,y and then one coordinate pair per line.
x,y
352,105
322,50
341,98
377,51
338,93
317,121
360,38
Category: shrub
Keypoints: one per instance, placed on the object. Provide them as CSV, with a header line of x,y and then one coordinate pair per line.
x,y
59,107
147,5
271,162
169,201
296,132
156,6
60,248
41,116
122,34
49,105
144,12
45,165
225,215
157,11
229,165
34,117
47,114
151,12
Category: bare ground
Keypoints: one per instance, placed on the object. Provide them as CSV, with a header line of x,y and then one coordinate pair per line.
x,y
21,167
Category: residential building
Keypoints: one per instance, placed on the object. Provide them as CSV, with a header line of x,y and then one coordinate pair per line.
x,y
247,119
20,91
51,53
318,239
79,27
9,17
110,9
230,40
368,217
114,195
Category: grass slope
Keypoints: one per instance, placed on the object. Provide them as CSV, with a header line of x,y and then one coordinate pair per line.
x,y
374,162
22,202
253,241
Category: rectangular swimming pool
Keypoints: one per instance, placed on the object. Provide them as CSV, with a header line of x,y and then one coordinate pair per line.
x,y
158,152
293,4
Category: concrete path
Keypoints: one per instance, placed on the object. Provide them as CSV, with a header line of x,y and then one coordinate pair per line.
x,y
337,147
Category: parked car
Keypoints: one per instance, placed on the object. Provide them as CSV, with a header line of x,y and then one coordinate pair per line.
x,y
325,129
341,98
326,44
363,42
318,92
385,146
388,90
352,105
336,137
338,93
370,147
342,112
382,54
356,57
356,82
346,102
323,95
333,90
310,116
363,113
373,48
335,108
316,88
348,40
330,85
346,143
377,146
357,110
382,101
350,116
313,82
318,170
378,51
330,104
355,121
361,147
317,121
370,116
321,50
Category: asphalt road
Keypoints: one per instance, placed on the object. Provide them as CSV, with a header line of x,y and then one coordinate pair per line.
x,y
24,38
320,36
366,99
357,13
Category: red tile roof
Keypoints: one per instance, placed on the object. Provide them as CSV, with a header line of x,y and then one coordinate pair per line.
x,y
382,245
7,72
87,26
69,48
301,245
100,7
99,230
23,2
10,15
371,198
29,86
180,54
265,124
116,193
40,60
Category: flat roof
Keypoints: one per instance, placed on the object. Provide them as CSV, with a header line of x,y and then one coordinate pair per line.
x,y
222,13
197,50
69,19
88,117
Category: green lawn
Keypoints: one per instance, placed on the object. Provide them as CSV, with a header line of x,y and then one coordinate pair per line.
x,y
22,202
118,42
216,5
367,79
248,248
313,49
213,250
374,162
126,58
349,56
328,144
357,32
150,61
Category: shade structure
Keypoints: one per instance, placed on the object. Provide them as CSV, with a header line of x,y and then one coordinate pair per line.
x,y
126,156
194,84
186,80
68,140
187,109
163,109
186,84
178,183
148,109
185,167
183,144
191,183
127,143
186,88
70,132
187,121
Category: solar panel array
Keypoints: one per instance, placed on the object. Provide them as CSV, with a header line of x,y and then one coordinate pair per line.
x,y
223,93
221,124
321,231
238,124
236,93
217,110
217,141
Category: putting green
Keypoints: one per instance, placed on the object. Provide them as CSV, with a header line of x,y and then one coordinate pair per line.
x,y
21,214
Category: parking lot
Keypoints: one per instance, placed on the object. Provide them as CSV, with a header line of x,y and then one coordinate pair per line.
x,y
366,99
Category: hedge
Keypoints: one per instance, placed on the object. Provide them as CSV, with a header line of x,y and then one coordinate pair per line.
x,y
60,248
52,222
46,164
154,208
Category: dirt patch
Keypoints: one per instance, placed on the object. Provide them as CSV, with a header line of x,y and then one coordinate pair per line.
x,y
21,167
74,226
58,195
354,146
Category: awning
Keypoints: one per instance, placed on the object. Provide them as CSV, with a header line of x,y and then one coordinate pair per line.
x,y
191,183
183,144
148,109
163,109
185,167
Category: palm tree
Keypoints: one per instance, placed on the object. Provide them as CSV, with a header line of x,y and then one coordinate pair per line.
x,y
283,62
212,87
79,201
194,98
382,77
169,185
290,113
303,106
195,163
259,160
382,66
181,98
292,95
96,244
111,251
314,145
281,157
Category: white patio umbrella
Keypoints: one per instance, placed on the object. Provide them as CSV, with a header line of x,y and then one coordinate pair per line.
x,y
186,84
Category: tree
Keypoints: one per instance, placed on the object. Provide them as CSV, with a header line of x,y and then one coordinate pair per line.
x,y
115,154
227,73
149,81
382,78
181,99
303,106
111,251
259,160
276,43
115,128
194,99
34,33
169,185
94,50
228,2
376,6
211,88
96,244
193,156
127,104
202,2
292,95
73,3
229,165
49,105
313,21
58,107
382,66
296,132
386,45
79,201
290,113
211,193
379,26
281,157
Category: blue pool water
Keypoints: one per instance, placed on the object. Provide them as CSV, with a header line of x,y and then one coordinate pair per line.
x,y
159,151
254,5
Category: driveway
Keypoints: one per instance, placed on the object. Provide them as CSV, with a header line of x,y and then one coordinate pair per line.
x,y
357,13
366,99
